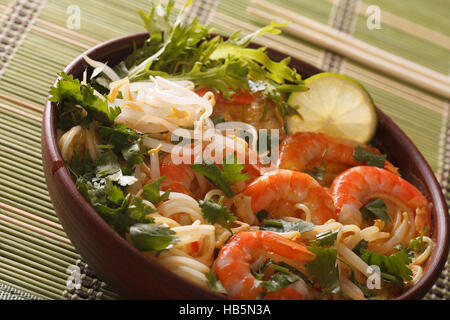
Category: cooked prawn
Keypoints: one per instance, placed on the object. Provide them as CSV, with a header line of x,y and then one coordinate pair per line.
x,y
283,192
182,178
304,151
359,185
234,263
178,177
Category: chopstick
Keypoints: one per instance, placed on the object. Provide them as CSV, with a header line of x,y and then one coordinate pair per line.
x,y
344,44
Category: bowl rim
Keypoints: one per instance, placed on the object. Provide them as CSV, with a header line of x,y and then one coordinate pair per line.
x,y
59,171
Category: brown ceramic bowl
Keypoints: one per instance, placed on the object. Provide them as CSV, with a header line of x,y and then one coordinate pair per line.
x,y
134,276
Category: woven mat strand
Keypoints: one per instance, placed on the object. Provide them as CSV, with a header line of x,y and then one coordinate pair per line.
x,y
39,38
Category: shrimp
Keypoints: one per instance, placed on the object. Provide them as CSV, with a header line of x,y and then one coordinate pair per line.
x,y
281,191
359,185
234,264
178,177
304,151
182,178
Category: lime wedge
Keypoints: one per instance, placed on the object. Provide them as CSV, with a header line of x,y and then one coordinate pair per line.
x,y
335,105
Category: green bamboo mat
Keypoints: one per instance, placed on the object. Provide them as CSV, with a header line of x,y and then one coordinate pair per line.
x,y
36,257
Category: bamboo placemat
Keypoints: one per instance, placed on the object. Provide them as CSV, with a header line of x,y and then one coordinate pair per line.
x,y
37,40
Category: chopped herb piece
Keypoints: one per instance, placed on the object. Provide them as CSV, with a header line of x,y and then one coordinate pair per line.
x,y
232,169
133,155
152,237
318,173
279,281
152,192
324,269
376,209
361,247
278,225
214,284
78,105
368,157
222,179
417,245
120,136
392,267
215,175
216,213
109,201
137,209
326,239
262,214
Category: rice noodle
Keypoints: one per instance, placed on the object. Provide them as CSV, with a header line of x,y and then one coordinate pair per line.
x,y
426,253
234,126
67,141
398,234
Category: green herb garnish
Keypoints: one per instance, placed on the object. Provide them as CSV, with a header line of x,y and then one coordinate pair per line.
x,y
152,237
279,225
368,157
214,284
376,209
152,192
324,269
215,212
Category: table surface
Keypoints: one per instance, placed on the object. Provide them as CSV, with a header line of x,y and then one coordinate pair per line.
x,y
39,38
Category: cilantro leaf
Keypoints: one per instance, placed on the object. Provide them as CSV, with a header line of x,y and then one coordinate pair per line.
x,y
114,194
152,237
78,105
137,209
109,201
80,164
395,265
108,166
368,293
368,157
417,244
152,192
279,281
361,247
318,173
283,275
133,155
376,209
232,169
279,225
324,269
216,213
214,284
290,268
120,136
326,239
222,178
